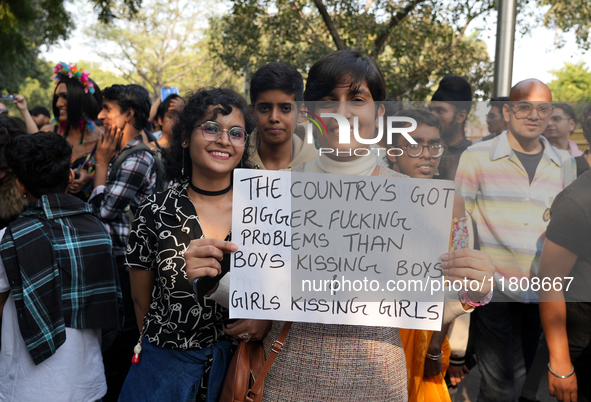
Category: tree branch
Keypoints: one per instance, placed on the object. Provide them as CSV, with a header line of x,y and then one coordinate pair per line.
x,y
362,23
297,7
330,25
469,19
395,20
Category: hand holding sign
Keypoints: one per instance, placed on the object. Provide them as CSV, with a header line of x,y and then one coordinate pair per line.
x,y
474,265
204,255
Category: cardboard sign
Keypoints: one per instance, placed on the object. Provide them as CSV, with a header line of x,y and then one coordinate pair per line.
x,y
339,249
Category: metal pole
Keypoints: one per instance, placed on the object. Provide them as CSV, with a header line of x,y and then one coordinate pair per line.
x,y
504,48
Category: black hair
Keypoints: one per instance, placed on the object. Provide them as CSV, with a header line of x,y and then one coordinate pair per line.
x,y
163,106
37,110
133,97
566,109
9,129
340,67
421,116
41,162
499,102
277,76
196,110
392,106
81,105
586,122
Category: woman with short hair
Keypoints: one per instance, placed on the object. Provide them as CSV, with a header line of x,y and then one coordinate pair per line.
x,y
346,362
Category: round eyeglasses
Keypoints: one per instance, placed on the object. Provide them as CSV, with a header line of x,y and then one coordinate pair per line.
x,y
212,130
415,150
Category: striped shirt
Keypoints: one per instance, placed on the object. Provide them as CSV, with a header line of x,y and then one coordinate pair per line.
x,y
511,214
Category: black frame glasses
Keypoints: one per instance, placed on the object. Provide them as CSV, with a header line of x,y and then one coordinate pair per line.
x,y
208,130
435,150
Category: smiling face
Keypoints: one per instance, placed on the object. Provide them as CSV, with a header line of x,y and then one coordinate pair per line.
x,y
425,165
348,101
62,102
111,114
219,157
274,112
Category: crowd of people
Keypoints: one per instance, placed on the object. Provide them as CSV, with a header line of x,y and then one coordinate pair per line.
x,y
116,236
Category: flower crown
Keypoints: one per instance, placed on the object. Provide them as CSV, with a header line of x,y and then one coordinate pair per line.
x,y
71,70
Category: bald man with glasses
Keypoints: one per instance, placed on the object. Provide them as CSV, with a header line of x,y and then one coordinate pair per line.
x,y
508,185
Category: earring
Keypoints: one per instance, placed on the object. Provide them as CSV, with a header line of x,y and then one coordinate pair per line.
x,y
183,163
24,197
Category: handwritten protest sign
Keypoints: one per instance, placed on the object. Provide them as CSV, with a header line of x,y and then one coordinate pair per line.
x,y
339,249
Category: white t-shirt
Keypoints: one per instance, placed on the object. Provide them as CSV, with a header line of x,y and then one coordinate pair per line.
x,y
74,373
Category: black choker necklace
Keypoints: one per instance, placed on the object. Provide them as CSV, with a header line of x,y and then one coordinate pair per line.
x,y
210,193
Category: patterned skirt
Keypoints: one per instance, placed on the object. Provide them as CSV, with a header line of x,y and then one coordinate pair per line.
x,y
321,362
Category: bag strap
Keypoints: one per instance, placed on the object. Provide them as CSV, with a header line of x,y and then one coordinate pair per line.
x,y
123,155
252,394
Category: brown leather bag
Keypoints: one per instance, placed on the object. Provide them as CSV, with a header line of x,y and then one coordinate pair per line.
x,y
246,374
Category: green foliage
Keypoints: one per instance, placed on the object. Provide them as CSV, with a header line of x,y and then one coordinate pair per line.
x,y
103,78
163,44
571,15
572,83
24,26
415,42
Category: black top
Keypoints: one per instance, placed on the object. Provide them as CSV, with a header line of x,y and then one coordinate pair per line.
x,y
570,227
582,163
164,226
530,162
451,158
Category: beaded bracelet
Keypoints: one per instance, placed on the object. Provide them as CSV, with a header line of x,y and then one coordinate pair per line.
x,y
557,375
435,357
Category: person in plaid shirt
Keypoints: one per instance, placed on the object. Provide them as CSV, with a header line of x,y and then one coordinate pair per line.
x,y
58,282
118,194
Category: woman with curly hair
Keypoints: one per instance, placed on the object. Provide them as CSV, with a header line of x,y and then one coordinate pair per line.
x,y
182,334
77,101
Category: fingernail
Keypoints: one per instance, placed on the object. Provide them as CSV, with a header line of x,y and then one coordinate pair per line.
x,y
444,263
445,256
233,247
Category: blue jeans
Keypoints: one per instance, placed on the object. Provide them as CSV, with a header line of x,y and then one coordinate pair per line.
x,y
507,336
173,375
